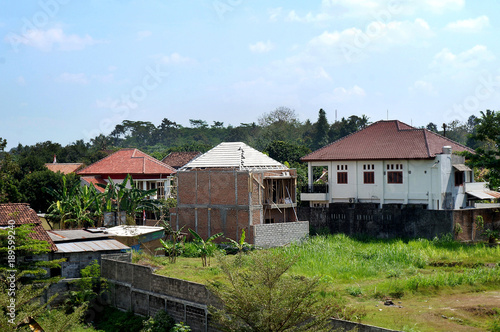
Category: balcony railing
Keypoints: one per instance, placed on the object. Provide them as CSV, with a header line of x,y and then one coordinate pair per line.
x,y
315,189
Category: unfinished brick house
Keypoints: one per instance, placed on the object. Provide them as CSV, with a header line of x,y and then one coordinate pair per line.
x,y
234,187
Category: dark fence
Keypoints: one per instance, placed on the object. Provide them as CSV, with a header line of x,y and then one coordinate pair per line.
x,y
314,189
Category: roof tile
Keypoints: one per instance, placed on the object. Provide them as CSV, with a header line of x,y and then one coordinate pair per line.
x,y
179,159
22,214
127,161
386,140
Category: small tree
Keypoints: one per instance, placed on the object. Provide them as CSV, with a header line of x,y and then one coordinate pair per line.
x,y
261,297
205,248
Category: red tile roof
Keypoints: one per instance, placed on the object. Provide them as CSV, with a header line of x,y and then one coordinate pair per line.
x,y
94,180
65,168
179,159
22,214
127,161
386,140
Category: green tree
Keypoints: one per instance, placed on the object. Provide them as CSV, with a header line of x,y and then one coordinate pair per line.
x,y
286,152
33,184
261,296
321,128
8,183
488,156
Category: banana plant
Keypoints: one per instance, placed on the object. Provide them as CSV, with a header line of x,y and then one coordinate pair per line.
x,y
240,245
205,248
172,249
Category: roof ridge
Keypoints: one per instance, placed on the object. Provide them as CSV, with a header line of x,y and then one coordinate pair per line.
x,y
346,136
100,160
159,162
427,144
448,139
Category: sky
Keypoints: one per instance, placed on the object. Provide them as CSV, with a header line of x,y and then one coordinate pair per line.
x,y
70,70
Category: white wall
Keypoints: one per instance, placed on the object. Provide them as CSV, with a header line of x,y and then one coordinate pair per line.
x,y
425,181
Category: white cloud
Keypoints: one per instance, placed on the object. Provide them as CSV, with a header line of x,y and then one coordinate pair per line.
x,y
261,47
353,44
425,87
176,59
470,25
343,94
274,14
79,78
308,18
447,61
140,35
21,81
388,10
440,6
46,40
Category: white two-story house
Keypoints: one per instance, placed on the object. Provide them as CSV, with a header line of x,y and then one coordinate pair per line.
x,y
390,162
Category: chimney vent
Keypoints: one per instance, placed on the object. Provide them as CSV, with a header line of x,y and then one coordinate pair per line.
x,y
447,149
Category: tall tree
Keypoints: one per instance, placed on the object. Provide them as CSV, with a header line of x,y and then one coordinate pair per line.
x,y
8,183
488,156
321,129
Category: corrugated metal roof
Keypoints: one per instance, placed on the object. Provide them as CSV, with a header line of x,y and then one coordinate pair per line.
x,y
91,245
461,167
484,194
74,234
234,155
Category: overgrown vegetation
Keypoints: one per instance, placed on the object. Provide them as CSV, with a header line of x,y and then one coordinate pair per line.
x,y
352,272
260,296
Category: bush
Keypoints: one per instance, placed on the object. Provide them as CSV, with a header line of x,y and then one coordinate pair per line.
x,y
191,250
161,322
114,320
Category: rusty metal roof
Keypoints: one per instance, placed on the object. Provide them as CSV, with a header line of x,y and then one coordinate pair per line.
x,y
91,245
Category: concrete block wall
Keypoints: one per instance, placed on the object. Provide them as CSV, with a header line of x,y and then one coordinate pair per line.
x,y
397,221
274,235
392,221
135,287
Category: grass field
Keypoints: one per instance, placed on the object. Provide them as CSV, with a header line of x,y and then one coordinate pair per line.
x,y
439,285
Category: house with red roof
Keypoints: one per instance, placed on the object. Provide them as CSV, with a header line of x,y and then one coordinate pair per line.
x,y
147,172
180,158
390,162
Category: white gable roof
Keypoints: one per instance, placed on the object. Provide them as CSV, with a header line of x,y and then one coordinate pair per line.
x,y
234,155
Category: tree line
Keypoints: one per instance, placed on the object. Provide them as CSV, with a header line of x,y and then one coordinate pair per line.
x,y
278,133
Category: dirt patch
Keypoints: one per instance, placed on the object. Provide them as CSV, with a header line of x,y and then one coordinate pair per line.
x,y
445,312
483,310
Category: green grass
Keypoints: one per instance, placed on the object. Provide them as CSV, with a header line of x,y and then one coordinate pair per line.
x,y
364,271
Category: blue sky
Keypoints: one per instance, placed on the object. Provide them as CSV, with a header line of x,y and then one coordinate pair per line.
x,y
72,69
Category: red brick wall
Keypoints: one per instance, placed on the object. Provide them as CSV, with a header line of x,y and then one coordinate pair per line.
x,y
211,189
222,189
466,219
203,188
186,193
243,188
